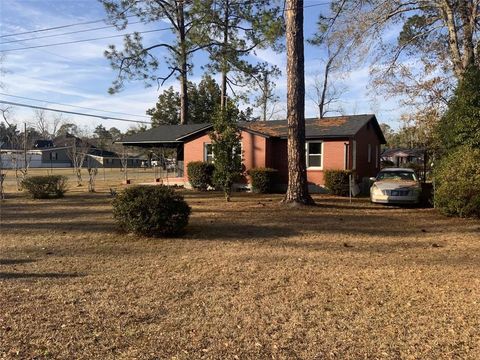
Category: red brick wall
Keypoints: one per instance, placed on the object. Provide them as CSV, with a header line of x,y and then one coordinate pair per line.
x,y
254,150
365,136
262,152
333,158
193,151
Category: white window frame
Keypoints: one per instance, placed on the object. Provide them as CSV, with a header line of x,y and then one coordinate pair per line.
x,y
205,152
307,148
369,153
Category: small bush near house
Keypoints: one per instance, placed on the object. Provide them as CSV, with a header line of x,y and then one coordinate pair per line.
x,y
200,175
46,187
262,179
337,181
457,182
151,210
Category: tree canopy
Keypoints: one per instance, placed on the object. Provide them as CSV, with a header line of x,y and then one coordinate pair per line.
x,y
204,101
418,49
460,126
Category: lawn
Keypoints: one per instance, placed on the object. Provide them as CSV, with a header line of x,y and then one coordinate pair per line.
x,y
249,280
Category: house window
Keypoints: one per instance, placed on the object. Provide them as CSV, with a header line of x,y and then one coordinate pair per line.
x,y
314,151
369,153
208,153
238,151
53,156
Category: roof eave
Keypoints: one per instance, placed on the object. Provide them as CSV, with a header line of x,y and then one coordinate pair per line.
x,y
194,132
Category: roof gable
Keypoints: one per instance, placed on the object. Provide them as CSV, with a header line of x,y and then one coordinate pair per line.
x,y
329,127
165,134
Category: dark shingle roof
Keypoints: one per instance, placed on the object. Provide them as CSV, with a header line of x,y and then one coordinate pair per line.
x,y
164,134
340,126
329,127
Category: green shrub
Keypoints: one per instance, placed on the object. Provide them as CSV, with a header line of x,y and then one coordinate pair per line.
x,y
200,175
46,187
457,183
262,179
151,211
337,181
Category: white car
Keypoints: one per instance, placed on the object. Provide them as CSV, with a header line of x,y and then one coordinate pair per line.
x,y
396,186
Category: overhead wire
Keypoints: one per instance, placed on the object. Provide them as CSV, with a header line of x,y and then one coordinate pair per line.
x,y
73,112
85,40
62,34
69,105
59,27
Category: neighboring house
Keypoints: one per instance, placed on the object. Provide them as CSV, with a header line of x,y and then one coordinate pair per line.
x,y
344,142
108,159
56,153
37,158
402,157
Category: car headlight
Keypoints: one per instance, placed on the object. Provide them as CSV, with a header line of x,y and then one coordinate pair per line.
x,y
375,190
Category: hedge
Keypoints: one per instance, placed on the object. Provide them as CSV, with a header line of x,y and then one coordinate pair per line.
x,y
151,211
200,175
263,179
337,182
45,187
457,183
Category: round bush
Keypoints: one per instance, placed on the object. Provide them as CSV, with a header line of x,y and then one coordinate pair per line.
x,y
262,179
457,182
151,211
337,182
45,187
200,175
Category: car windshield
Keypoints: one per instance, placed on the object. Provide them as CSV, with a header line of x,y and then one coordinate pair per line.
x,y
397,175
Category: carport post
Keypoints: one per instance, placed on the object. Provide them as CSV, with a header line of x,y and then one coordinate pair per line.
x,y
350,187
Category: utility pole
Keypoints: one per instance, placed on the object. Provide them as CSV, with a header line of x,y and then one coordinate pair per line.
x,y
25,146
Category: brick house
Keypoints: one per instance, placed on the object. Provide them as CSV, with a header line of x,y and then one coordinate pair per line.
x,y
344,142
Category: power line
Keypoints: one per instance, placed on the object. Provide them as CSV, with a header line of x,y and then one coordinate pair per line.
x,y
63,34
59,27
84,40
75,106
72,112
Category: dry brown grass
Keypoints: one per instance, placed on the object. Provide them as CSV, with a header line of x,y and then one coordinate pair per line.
x,y
250,280
106,177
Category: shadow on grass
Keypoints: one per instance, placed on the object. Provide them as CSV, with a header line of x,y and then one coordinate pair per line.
x,y
83,226
15,261
9,275
237,231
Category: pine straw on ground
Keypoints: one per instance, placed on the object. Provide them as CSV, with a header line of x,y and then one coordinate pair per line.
x,y
251,279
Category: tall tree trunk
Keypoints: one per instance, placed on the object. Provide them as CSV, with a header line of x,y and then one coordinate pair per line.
x,y
183,65
223,99
297,189
265,94
449,20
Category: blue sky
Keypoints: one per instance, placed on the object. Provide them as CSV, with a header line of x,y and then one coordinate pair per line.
x,y
78,74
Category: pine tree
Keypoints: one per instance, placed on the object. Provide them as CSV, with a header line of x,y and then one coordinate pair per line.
x,y
140,62
230,31
297,188
226,148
